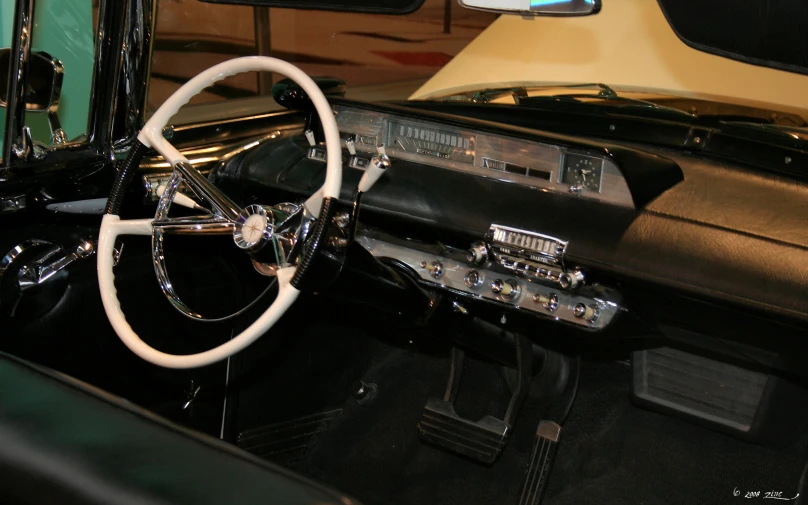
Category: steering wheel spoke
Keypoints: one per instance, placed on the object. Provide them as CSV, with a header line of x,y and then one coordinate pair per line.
x,y
192,225
205,189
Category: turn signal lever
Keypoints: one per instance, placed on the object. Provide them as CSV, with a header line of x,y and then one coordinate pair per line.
x,y
379,164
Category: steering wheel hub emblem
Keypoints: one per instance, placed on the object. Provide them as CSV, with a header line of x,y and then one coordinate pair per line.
x,y
253,228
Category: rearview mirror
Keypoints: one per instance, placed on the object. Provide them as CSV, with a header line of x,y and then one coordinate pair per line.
x,y
44,86
289,94
536,7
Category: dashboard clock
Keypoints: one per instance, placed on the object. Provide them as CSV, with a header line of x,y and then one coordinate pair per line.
x,y
583,171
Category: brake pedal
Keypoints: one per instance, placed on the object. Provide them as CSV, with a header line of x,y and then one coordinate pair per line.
x,y
484,439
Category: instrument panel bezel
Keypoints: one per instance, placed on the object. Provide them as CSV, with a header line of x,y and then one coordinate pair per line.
x,y
645,175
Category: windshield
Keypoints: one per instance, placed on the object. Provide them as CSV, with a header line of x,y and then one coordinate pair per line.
x,y
378,56
382,57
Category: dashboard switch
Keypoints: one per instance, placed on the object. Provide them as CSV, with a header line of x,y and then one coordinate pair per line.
x,y
310,137
549,301
376,168
351,145
473,279
507,289
586,312
478,253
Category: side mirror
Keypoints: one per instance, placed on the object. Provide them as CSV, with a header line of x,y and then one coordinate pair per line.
x,y
44,87
536,7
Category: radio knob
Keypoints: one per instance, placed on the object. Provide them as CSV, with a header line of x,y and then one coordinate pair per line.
x,y
473,279
507,289
549,302
478,253
586,312
435,268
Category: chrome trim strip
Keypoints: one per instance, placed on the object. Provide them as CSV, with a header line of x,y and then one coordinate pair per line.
x,y
203,158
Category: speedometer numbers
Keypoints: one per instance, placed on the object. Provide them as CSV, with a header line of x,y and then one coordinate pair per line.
x,y
582,172
426,141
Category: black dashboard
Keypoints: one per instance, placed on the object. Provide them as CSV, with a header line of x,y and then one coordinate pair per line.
x,y
583,234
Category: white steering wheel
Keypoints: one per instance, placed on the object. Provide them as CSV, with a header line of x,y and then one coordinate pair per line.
x,y
227,215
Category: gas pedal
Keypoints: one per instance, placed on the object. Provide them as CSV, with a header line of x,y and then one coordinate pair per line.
x,y
545,447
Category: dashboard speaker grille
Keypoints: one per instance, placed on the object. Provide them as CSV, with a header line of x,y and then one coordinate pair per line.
x,y
698,386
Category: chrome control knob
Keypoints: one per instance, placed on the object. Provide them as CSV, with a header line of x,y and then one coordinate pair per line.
x,y
586,312
549,301
473,279
507,289
380,161
571,280
435,268
478,253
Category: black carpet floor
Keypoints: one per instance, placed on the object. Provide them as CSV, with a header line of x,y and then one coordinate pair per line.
x,y
610,452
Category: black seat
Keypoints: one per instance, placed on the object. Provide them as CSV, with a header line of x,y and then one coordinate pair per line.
x,y
62,441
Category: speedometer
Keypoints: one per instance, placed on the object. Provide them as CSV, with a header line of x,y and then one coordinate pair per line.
x,y
428,141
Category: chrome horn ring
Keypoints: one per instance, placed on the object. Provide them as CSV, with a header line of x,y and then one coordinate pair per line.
x,y
272,236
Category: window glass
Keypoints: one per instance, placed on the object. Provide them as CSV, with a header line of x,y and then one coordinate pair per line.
x,y
379,56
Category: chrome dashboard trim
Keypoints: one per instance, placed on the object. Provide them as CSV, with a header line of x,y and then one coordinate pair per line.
x,y
531,295
535,164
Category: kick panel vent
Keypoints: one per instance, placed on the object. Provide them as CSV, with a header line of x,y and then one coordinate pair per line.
x,y
698,386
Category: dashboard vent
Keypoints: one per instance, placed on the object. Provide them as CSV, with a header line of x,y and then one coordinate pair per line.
x,y
698,386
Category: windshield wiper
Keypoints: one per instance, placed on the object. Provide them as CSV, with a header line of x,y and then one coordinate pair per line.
x,y
610,99
795,135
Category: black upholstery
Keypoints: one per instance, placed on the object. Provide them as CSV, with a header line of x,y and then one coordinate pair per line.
x,y
62,441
